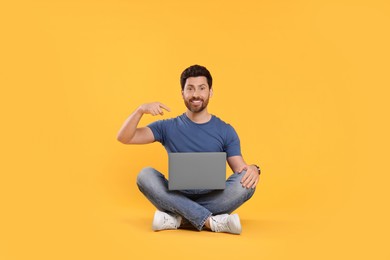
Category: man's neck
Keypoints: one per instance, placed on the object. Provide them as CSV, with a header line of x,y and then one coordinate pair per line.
x,y
199,118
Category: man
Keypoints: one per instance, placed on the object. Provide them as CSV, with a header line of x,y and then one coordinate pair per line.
x,y
194,131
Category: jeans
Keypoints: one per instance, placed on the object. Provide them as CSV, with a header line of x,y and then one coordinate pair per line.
x,y
195,206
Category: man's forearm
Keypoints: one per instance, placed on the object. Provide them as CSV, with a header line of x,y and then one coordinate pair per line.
x,y
127,131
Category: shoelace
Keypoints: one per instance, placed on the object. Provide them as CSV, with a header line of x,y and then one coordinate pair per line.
x,y
221,226
169,223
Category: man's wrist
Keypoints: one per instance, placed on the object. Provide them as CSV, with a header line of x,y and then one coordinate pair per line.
x,y
258,168
140,110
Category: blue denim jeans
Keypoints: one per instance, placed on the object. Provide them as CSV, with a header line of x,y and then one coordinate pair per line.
x,y
195,206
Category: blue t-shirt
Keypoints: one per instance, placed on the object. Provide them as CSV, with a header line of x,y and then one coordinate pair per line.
x,y
180,134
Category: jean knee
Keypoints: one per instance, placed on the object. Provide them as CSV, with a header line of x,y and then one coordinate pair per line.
x,y
243,192
238,189
144,175
250,193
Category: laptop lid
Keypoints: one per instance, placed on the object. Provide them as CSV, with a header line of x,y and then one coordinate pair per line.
x,y
197,171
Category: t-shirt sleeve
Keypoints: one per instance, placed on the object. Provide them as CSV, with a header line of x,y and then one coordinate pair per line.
x,y
157,128
232,145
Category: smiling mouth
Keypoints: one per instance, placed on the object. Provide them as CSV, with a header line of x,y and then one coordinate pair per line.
x,y
196,102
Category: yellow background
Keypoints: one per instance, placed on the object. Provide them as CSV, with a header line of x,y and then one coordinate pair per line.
x,y
304,83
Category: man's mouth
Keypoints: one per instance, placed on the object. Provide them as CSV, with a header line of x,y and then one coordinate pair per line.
x,y
196,102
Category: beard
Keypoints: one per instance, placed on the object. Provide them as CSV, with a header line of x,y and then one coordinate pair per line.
x,y
196,108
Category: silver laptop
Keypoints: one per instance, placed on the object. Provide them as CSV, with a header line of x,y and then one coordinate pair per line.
x,y
189,171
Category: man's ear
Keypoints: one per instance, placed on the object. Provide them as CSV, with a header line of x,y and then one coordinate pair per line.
x,y
211,92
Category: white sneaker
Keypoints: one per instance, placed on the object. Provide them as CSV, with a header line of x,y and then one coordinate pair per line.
x,y
226,223
164,220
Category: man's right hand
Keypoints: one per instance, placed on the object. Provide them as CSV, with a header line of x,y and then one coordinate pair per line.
x,y
131,134
155,108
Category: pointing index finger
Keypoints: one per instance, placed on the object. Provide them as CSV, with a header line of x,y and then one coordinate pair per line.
x,y
165,107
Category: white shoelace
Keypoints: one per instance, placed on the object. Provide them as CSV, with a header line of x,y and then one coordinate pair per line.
x,y
220,224
169,222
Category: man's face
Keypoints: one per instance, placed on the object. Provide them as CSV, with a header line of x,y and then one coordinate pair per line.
x,y
196,93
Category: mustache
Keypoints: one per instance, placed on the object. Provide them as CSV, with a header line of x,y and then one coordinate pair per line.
x,y
196,99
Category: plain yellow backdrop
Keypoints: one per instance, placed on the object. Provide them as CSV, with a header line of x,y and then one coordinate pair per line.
x,y
304,83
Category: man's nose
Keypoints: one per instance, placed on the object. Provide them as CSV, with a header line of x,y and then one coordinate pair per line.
x,y
196,93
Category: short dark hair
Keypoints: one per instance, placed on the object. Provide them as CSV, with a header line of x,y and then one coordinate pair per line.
x,y
195,71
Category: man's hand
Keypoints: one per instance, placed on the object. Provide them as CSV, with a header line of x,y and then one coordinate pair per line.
x,y
251,177
131,134
155,108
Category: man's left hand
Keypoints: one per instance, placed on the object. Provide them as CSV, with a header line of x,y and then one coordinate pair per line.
x,y
251,177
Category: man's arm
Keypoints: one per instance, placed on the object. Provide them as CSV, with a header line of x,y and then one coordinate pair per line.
x,y
131,134
252,175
